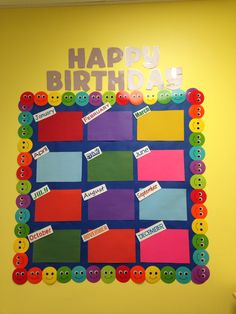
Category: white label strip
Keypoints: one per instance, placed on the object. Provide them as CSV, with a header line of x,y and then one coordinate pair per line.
x,y
148,190
94,192
141,152
141,112
40,192
37,235
40,152
93,153
94,114
151,231
94,233
44,114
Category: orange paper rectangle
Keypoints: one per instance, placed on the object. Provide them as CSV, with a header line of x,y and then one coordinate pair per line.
x,y
59,205
113,246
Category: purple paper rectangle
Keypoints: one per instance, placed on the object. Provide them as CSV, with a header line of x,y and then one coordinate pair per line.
x,y
117,204
111,126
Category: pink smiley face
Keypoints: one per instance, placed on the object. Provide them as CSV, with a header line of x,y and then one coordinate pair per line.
x,y
136,98
95,98
122,98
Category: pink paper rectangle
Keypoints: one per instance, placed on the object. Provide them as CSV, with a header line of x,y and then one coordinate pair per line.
x,y
168,246
162,165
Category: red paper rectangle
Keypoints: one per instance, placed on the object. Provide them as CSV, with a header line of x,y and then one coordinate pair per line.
x,y
59,205
113,246
63,126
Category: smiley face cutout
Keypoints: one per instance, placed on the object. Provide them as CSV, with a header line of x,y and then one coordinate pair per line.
x,y
199,226
196,125
95,99
21,230
49,275
150,98
23,201
197,153
93,273
137,274
24,159
200,257
19,276
81,99
20,260
196,139
21,245
64,274
27,99
196,111
123,273
109,97
41,98
68,98
23,187
79,274
122,98
200,274
168,274
196,97
152,274
136,98
54,99
198,181
200,241
25,118
164,96
34,275
108,274
178,96
199,211
24,145
183,275
197,167
24,173
198,196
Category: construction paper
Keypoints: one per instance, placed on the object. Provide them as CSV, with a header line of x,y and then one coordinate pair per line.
x,y
63,126
161,126
169,246
59,205
166,204
162,165
111,166
115,204
63,246
59,167
114,246
105,127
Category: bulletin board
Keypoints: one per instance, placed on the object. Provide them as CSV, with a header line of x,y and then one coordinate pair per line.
x,y
111,187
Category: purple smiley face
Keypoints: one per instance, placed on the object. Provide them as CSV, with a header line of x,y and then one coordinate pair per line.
x,y
93,273
95,98
200,274
24,107
23,201
197,167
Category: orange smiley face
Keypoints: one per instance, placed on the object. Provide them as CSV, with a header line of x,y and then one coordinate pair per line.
x,y
136,98
41,98
137,274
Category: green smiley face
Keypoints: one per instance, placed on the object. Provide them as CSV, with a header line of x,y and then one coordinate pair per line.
x,y
197,139
68,98
200,241
108,274
22,230
197,181
25,131
168,274
164,96
23,187
109,97
64,274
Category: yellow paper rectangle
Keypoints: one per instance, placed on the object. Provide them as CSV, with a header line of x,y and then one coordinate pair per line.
x,y
161,126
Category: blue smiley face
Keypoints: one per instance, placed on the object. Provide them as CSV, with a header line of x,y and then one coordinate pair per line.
x,y
25,118
178,96
22,215
200,257
79,274
183,275
82,99
197,153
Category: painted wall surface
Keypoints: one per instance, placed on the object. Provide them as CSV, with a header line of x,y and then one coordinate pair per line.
x,y
200,37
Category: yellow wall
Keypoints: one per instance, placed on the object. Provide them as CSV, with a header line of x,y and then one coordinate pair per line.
x,y
200,36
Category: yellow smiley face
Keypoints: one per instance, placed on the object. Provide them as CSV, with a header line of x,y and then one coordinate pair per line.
x,y
54,99
199,226
24,145
49,275
21,245
150,98
196,125
152,274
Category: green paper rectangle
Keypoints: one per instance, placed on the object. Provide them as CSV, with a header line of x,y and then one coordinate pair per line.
x,y
111,166
61,246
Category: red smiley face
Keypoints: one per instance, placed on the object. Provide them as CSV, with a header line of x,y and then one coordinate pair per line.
x,y
27,99
196,111
123,273
24,173
137,274
199,211
20,260
122,98
34,275
24,159
198,196
41,98
196,97
136,98
19,276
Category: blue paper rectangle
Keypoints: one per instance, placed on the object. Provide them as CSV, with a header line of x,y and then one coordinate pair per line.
x,y
59,167
165,204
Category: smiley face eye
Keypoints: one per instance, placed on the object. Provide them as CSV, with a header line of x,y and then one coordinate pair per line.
x,y
150,273
135,272
125,272
98,96
180,273
85,97
120,96
91,272
111,272
93,96
81,273
170,272
140,273
52,273
32,273
66,97
37,273
71,97
25,96
120,272
61,273
156,272
22,273
80,97
67,273
76,273
96,272
166,273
